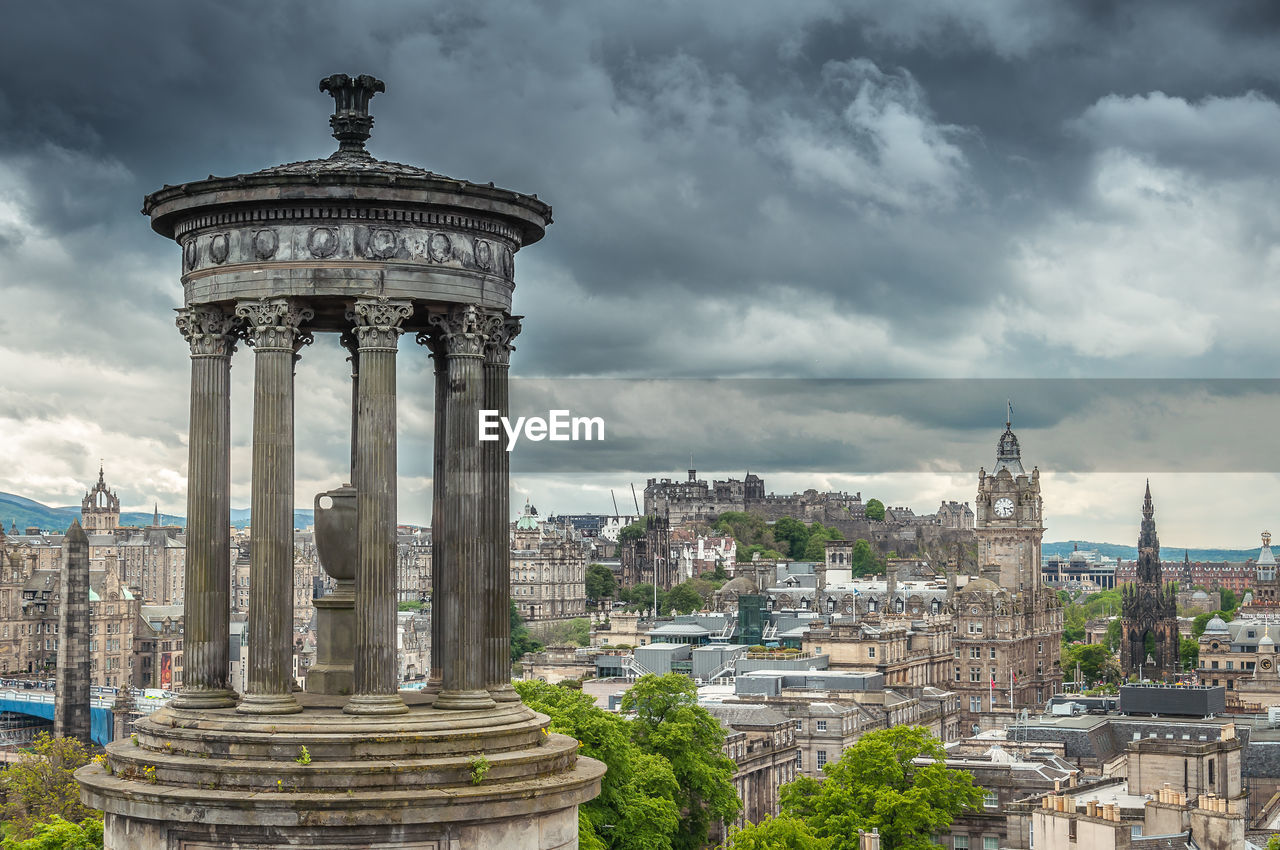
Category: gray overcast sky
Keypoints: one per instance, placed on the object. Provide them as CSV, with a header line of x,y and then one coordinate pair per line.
x,y
909,188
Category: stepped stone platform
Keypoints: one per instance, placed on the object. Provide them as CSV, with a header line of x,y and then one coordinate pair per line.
x,y
427,780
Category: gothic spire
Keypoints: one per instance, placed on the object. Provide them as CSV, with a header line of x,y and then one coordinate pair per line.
x,y
1148,542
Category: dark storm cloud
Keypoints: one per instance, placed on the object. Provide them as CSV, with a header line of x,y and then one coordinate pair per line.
x,y
906,188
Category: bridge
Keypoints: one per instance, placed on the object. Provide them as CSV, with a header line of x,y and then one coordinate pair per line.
x,y
38,702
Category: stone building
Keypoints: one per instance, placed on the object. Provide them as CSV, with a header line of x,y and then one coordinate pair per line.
x,y
548,570
765,752
413,565
823,729
29,602
1149,616
911,651
1008,625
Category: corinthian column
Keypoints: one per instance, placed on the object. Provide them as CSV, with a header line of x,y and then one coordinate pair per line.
x,y
441,362
377,330
461,577
497,514
211,333
273,328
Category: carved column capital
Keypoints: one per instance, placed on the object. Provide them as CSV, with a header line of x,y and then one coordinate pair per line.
x,y
378,322
275,323
501,330
461,331
210,331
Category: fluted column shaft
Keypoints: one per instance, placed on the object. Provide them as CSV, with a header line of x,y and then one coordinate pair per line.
x,y
274,332
377,329
497,514
437,505
210,331
461,606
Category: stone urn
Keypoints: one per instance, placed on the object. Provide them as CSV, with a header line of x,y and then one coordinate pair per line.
x,y
335,517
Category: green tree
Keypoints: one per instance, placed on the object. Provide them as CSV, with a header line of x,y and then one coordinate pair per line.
x,y
874,509
575,632
1189,649
781,833
1073,624
793,534
1273,843
40,785
641,597
747,555
683,598
637,806
1115,631
415,605
59,834
864,559
670,723
815,549
521,640
747,529
1097,663
634,531
1228,599
600,583
894,780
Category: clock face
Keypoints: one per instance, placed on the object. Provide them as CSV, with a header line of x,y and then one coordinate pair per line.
x,y
1004,508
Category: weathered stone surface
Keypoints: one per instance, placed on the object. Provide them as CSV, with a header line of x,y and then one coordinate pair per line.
x,y
370,250
71,697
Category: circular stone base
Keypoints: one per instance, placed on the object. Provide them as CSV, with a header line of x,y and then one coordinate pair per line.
x,y
427,778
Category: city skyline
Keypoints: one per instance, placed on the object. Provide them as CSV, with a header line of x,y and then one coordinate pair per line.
x,y
998,191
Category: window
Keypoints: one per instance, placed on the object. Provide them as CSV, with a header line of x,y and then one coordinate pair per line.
x,y
822,725
975,674
975,652
871,652
1039,651
990,801
990,843
993,653
975,704
799,725
960,842
822,759
975,628
799,759
957,674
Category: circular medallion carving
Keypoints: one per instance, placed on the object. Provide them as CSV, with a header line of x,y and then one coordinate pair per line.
x,y
265,243
383,243
322,242
1266,663
439,248
483,253
219,248
189,254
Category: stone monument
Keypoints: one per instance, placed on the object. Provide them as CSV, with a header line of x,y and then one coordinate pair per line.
x,y
370,250
71,690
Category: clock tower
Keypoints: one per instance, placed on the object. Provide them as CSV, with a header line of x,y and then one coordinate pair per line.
x,y
1010,517
1008,630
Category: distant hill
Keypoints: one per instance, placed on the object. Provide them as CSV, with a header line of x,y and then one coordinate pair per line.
x,y
25,513
1130,553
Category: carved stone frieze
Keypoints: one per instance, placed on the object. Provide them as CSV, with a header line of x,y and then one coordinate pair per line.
x,y
210,331
275,323
378,322
352,241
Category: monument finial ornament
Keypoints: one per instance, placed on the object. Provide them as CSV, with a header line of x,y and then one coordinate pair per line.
x,y
351,121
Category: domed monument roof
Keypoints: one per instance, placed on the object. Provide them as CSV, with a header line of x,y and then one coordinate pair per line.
x,y
739,585
1216,626
332,229
983,585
